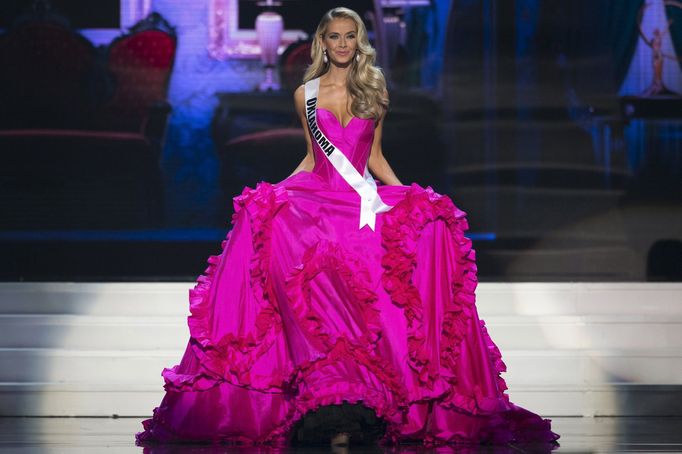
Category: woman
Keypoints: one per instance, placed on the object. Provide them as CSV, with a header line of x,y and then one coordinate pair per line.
x,y
337,308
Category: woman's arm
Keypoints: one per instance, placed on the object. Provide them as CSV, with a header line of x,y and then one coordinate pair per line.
x,y
308,161
378,164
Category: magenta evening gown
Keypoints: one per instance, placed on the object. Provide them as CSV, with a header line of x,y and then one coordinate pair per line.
x,y
303,309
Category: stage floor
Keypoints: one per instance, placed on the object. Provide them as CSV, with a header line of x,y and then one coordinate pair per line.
x,y
578,435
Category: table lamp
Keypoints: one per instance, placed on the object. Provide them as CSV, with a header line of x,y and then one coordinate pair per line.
x,y
269,27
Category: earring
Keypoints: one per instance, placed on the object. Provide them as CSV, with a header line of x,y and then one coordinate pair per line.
x,y
357,56
324,57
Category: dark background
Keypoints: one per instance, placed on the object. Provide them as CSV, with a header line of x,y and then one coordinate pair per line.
x,y
81,13
513,108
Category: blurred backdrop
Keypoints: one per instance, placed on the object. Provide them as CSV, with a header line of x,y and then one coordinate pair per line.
x,y
127,127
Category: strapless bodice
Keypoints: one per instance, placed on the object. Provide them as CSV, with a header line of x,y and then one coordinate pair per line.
x,y
354,141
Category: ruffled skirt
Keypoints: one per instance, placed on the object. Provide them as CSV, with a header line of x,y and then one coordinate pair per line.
x,y
303,310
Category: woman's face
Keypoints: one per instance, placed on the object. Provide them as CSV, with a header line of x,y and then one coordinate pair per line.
x,y
340,40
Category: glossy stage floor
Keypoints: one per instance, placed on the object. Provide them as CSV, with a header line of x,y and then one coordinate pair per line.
x,y
80,362
115,435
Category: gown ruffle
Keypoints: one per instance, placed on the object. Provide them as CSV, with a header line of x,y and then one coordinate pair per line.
x,y
302,310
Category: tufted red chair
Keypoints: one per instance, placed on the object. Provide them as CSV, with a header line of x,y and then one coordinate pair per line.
x,y
140,64
269,155
293,63
80,145
45,72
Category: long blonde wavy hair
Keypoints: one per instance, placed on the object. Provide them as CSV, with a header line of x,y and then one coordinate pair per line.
x,y
366,83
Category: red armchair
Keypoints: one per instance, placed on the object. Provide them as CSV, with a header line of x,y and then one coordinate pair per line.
x,y
45,76
140,64
81,132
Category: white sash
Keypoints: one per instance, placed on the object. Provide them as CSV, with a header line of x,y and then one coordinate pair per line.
x,y
370,202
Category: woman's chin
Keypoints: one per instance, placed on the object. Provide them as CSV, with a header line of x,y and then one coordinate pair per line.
x,y
342,61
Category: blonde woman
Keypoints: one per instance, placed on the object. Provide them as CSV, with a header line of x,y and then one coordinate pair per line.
x,y
341,310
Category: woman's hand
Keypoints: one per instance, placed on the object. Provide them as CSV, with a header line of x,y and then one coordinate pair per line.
x,y
378,164
306,164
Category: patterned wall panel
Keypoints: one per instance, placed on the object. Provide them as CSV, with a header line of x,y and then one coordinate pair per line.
x,y
189,161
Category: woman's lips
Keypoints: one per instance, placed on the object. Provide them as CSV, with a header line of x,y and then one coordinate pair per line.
x,y
342,54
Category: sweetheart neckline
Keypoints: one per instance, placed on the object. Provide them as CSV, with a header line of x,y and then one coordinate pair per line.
x,y
338,121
